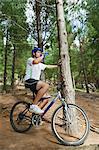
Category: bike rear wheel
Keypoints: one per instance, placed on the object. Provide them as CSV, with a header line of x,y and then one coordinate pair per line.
x,y
20,117
71,128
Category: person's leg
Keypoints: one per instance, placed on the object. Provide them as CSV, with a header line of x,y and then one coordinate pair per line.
x,y
42,88
46,98
43,103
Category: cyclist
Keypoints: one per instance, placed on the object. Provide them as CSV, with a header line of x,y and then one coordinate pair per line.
x,y
32,78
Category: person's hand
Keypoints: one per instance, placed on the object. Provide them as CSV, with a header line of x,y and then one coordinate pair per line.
x,y
42,56
59,62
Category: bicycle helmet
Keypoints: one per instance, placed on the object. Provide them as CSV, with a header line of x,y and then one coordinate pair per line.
x,y
37,49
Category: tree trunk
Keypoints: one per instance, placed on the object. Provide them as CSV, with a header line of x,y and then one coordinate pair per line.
x,y
5,63
60,78
38,23
83,68
65,66
97,83
13,67
39,32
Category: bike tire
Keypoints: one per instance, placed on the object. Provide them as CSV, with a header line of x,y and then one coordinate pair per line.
x,y
59,137
20,110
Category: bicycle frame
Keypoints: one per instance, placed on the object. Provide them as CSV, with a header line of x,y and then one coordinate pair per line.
x,y
58,96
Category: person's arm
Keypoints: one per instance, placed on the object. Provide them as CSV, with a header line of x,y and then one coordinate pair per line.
x,y
51,66
38,60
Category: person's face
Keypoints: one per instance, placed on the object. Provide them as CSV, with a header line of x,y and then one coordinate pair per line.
x,y
38,54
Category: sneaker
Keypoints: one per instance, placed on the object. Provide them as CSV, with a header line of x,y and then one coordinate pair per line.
x,y
35,109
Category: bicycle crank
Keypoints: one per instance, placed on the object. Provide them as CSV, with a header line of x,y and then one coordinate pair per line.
x,y
36,120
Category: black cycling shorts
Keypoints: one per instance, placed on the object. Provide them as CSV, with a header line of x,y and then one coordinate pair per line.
x,y
31,83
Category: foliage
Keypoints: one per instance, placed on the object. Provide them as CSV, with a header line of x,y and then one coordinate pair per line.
x,y
82,25
13,13
93,40
85,23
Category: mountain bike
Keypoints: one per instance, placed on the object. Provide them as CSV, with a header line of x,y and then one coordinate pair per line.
x,y
69,122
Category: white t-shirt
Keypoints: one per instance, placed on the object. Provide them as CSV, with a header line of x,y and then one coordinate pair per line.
x,y
33,71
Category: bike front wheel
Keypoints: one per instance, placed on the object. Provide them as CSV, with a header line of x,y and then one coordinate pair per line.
x,y
20,117
70,127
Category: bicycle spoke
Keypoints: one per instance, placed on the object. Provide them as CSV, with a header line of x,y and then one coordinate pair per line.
x,y
71,129
20,117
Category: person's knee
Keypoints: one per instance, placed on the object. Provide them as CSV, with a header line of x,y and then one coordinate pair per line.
x,y
46,86
43,85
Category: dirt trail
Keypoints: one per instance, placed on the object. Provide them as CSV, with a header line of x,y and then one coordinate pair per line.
x,y
42,137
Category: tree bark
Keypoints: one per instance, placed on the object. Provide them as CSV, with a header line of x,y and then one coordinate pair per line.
x,y
65,60
38,23
13,67
39,32
5,63
65,67
83,68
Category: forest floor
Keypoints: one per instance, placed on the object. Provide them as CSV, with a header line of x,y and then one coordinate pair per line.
x,y
42,137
